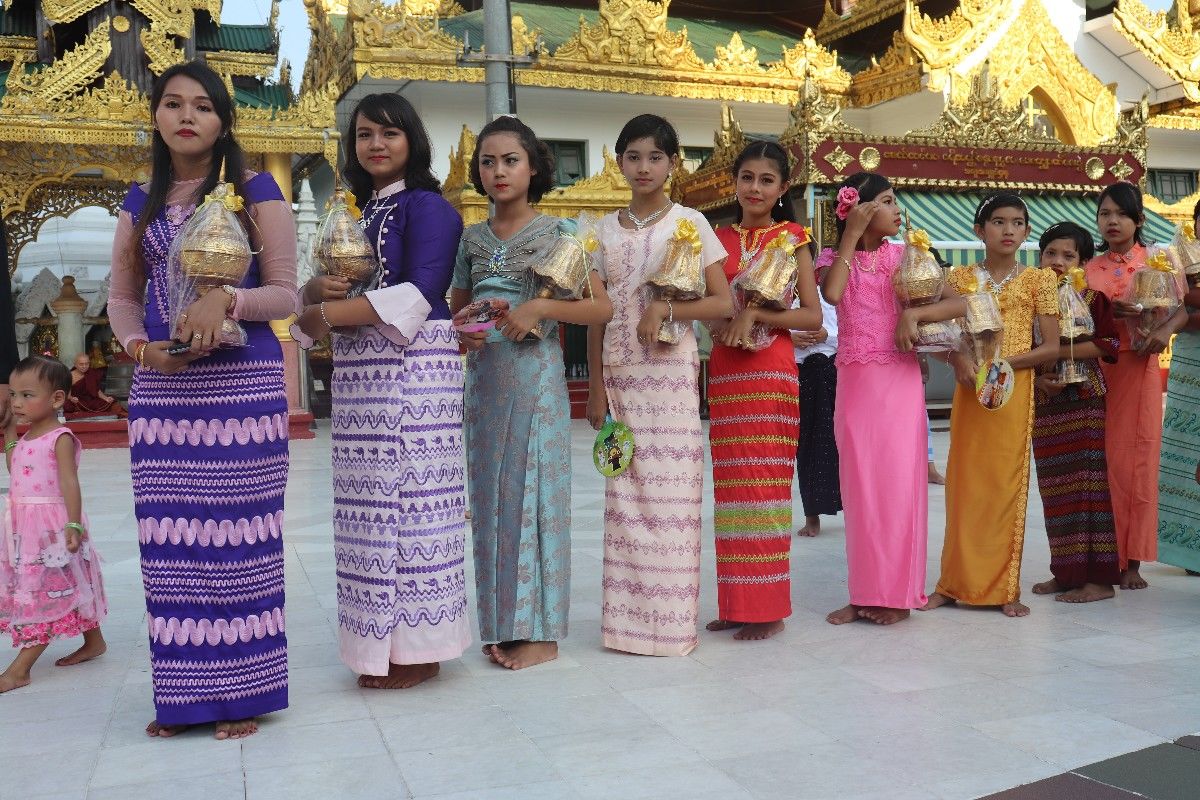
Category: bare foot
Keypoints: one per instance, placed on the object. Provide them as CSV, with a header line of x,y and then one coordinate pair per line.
x,y
401,676
812,527
722,625
1051,586
93,647
935,477
842,615
1131,578
164,731
236,729
937,601
490,650
10,682
526,654
881,615
1015,609
1088,593
756,631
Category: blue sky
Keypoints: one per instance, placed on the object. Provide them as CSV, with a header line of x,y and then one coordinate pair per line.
x,y
294,33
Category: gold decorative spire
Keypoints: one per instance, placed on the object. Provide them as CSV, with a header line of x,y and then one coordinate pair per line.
x,y
1170,41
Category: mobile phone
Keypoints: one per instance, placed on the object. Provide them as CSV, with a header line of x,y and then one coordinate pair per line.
x,y
178,348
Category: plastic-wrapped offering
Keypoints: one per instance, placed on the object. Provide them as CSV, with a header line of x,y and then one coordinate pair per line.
x,y
919,281
681,276
563,273
1156,293
1075,323
211,251
1187,252
341,249
983,325
769,282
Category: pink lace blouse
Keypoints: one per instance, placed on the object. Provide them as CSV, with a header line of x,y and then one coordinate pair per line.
x,y
274,235
869,310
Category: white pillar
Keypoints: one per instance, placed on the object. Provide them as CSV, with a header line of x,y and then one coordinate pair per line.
x,y
68,307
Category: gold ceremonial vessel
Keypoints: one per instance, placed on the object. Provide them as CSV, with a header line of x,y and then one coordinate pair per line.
x,y
938,336
919,279
214,251
344,250
983,314
681,276
769,281
563,273
1153,288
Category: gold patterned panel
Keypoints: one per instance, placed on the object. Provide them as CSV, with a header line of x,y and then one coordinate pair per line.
x,y
38,91
896,73
386,26
233,62
58,200
25,166
524,41
736,57
631,32
945,42
67,10
175,17
985,119
833,26
1174,48
459,176
1033,58
808,59
17,49
161,52
1178,212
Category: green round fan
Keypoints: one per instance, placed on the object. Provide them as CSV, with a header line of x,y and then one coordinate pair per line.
x,y
613,450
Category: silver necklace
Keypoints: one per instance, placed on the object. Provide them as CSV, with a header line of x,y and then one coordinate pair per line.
x,y
642,222
379,208
997,288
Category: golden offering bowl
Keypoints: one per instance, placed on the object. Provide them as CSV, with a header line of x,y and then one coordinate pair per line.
x,y
1154,289
345,251
919,279
983,314
214,255
937,337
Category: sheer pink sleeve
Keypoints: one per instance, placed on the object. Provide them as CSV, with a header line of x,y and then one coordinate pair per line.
x,y
127,289
274,236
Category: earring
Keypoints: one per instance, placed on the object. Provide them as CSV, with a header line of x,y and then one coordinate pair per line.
x,y
781,202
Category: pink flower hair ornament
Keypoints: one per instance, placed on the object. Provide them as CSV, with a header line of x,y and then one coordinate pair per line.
x,y
847,198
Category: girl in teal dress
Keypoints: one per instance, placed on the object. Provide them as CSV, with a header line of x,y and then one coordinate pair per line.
x,y
517,414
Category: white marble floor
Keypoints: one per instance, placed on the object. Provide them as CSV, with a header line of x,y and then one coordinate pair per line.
x,y
951,704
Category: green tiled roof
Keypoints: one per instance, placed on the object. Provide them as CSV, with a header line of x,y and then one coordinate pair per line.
x,y
240,38
18,21
560,24
269,96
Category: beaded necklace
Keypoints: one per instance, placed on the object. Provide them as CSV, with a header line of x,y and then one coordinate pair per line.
x,y
751,240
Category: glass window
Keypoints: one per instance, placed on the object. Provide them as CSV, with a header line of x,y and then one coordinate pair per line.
x,y
1172,185
693,157
570,161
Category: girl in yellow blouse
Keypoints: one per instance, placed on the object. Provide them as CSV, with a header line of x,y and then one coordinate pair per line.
x,y
987,476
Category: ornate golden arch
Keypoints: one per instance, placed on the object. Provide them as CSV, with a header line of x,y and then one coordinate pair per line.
x,y
63,199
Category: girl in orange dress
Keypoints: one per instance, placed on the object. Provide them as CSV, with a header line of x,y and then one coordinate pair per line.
x,y
754,409
1134,416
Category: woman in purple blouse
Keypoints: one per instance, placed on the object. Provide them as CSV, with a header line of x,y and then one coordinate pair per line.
x,y
399,521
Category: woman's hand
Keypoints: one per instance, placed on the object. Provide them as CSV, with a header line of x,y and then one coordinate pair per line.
x,y
325,287
597,407
1154,341
859,219
1050,385
200,323
737,332
1123,309
312,323
517,322
907,331
964,371
156,357
74,539
651,321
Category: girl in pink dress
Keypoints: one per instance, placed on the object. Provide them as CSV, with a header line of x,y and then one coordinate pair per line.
x,y
50,585
880,407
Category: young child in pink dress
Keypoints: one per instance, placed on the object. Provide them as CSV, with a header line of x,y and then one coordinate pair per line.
x,y
50,586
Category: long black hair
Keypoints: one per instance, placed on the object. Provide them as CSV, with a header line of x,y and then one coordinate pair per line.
x,y
869,185
649,126
541,160
768,151
392,111
225,151
1128,198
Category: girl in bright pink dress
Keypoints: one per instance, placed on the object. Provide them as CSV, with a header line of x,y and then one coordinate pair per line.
x,y
50,586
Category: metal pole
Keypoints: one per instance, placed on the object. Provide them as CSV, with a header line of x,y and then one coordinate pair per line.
x,y
497,41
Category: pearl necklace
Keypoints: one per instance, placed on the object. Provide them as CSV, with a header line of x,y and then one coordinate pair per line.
x,y
642,222
874,261
381,206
